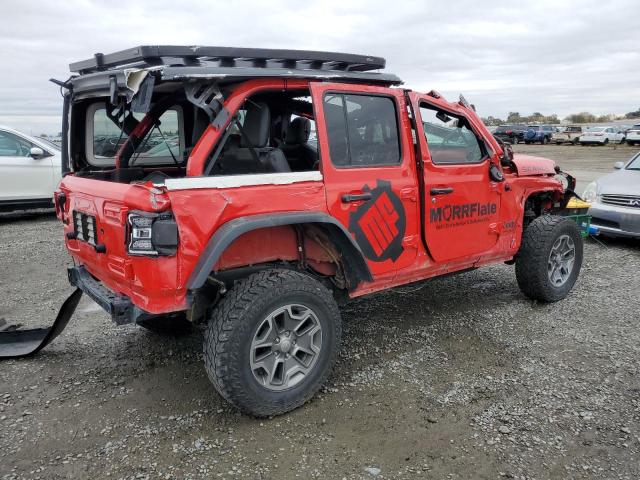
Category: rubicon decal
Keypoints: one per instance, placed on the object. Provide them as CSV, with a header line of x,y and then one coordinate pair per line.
x,y
464,214
379,224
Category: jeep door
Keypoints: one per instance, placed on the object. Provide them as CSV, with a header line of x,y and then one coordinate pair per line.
x,y
369,170
461,203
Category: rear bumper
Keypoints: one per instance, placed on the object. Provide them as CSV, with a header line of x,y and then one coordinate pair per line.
x,y
120,307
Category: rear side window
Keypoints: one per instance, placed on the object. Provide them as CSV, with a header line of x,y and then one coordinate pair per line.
x,y
163,145
362,130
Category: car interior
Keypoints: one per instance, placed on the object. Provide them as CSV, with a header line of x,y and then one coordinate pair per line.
x,y
269,134
273,132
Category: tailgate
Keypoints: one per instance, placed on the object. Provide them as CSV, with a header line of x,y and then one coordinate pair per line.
x,y
96,234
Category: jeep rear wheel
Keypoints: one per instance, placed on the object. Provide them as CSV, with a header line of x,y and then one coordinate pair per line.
x,y
271,341
550,258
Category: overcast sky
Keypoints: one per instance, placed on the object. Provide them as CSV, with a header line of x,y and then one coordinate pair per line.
x,y
548,56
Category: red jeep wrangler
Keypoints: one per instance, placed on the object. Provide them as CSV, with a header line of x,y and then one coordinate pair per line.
x,y
251,190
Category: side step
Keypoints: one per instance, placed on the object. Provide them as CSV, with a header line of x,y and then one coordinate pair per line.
x,y
22,343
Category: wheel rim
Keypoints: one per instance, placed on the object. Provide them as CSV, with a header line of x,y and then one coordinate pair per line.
x,y
285,347
561,260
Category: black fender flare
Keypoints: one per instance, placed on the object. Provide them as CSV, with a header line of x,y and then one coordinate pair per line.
x,y
228,232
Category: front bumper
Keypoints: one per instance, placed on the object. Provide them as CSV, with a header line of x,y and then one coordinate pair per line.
x,y
120,307
615,221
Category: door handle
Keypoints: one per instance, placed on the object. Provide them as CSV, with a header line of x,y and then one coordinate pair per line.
x,y
356,197
441,191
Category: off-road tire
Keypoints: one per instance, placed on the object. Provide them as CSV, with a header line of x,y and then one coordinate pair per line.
x,y
232,326
168,325
533,257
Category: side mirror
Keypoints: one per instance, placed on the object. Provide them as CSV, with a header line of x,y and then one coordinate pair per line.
x,y
36,152
618,165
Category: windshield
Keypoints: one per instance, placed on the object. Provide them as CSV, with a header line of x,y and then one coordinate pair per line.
x,y
634,164
596,129
503,128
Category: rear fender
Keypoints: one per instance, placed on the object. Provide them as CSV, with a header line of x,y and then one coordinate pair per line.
x,y
356,266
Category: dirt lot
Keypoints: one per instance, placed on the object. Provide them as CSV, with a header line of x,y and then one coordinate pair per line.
x,y
460,377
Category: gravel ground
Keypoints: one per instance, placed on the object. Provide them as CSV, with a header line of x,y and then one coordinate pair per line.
x,y
459,377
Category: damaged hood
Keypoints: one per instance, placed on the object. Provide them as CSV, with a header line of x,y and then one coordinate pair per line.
x,y
529,165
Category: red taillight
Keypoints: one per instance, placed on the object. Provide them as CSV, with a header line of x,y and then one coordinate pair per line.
x,y
509,132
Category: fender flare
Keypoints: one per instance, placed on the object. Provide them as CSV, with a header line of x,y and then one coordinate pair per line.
x,y
228,232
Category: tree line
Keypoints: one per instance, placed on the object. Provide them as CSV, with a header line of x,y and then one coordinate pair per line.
x,y
537,117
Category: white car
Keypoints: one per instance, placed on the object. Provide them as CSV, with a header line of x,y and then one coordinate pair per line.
x,y
29,170
601,136
633,135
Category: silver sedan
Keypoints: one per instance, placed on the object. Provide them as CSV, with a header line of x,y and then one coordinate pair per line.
x,y
615,200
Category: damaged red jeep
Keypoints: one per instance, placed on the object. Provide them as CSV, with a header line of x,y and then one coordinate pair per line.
x,y
252,190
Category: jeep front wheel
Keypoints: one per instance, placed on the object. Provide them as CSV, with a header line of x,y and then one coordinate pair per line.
x,y
550,258
271,341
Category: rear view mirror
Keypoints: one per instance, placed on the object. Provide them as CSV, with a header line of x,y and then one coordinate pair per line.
x,y
618,165
443,117
36,152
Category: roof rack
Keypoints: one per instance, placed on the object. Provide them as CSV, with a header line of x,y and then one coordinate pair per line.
x,y
172,55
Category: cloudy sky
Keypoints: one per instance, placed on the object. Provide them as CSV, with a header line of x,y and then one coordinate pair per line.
x,y
548,56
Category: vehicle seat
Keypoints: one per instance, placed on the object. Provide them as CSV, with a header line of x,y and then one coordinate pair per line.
x,y
295,147
254,154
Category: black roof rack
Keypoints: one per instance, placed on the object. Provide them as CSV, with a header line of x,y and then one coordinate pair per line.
x,y
172,55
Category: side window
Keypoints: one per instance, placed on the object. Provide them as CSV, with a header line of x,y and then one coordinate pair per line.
x,y
13,146
449,139
362,130
163,145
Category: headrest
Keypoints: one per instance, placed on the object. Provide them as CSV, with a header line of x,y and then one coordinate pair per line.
x,y
298,131
256,125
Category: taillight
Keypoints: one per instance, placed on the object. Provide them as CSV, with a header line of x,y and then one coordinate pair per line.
x,y
152,234
509,132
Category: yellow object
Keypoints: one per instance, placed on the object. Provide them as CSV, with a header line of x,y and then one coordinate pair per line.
x,y
577,203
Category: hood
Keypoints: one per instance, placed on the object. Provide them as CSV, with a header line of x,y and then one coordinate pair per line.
x,y
529,165
620,182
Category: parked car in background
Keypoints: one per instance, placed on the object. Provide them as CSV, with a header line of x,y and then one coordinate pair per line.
x,y
615,200
538,133
601,136
510,133
29,170
633,135
569,134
